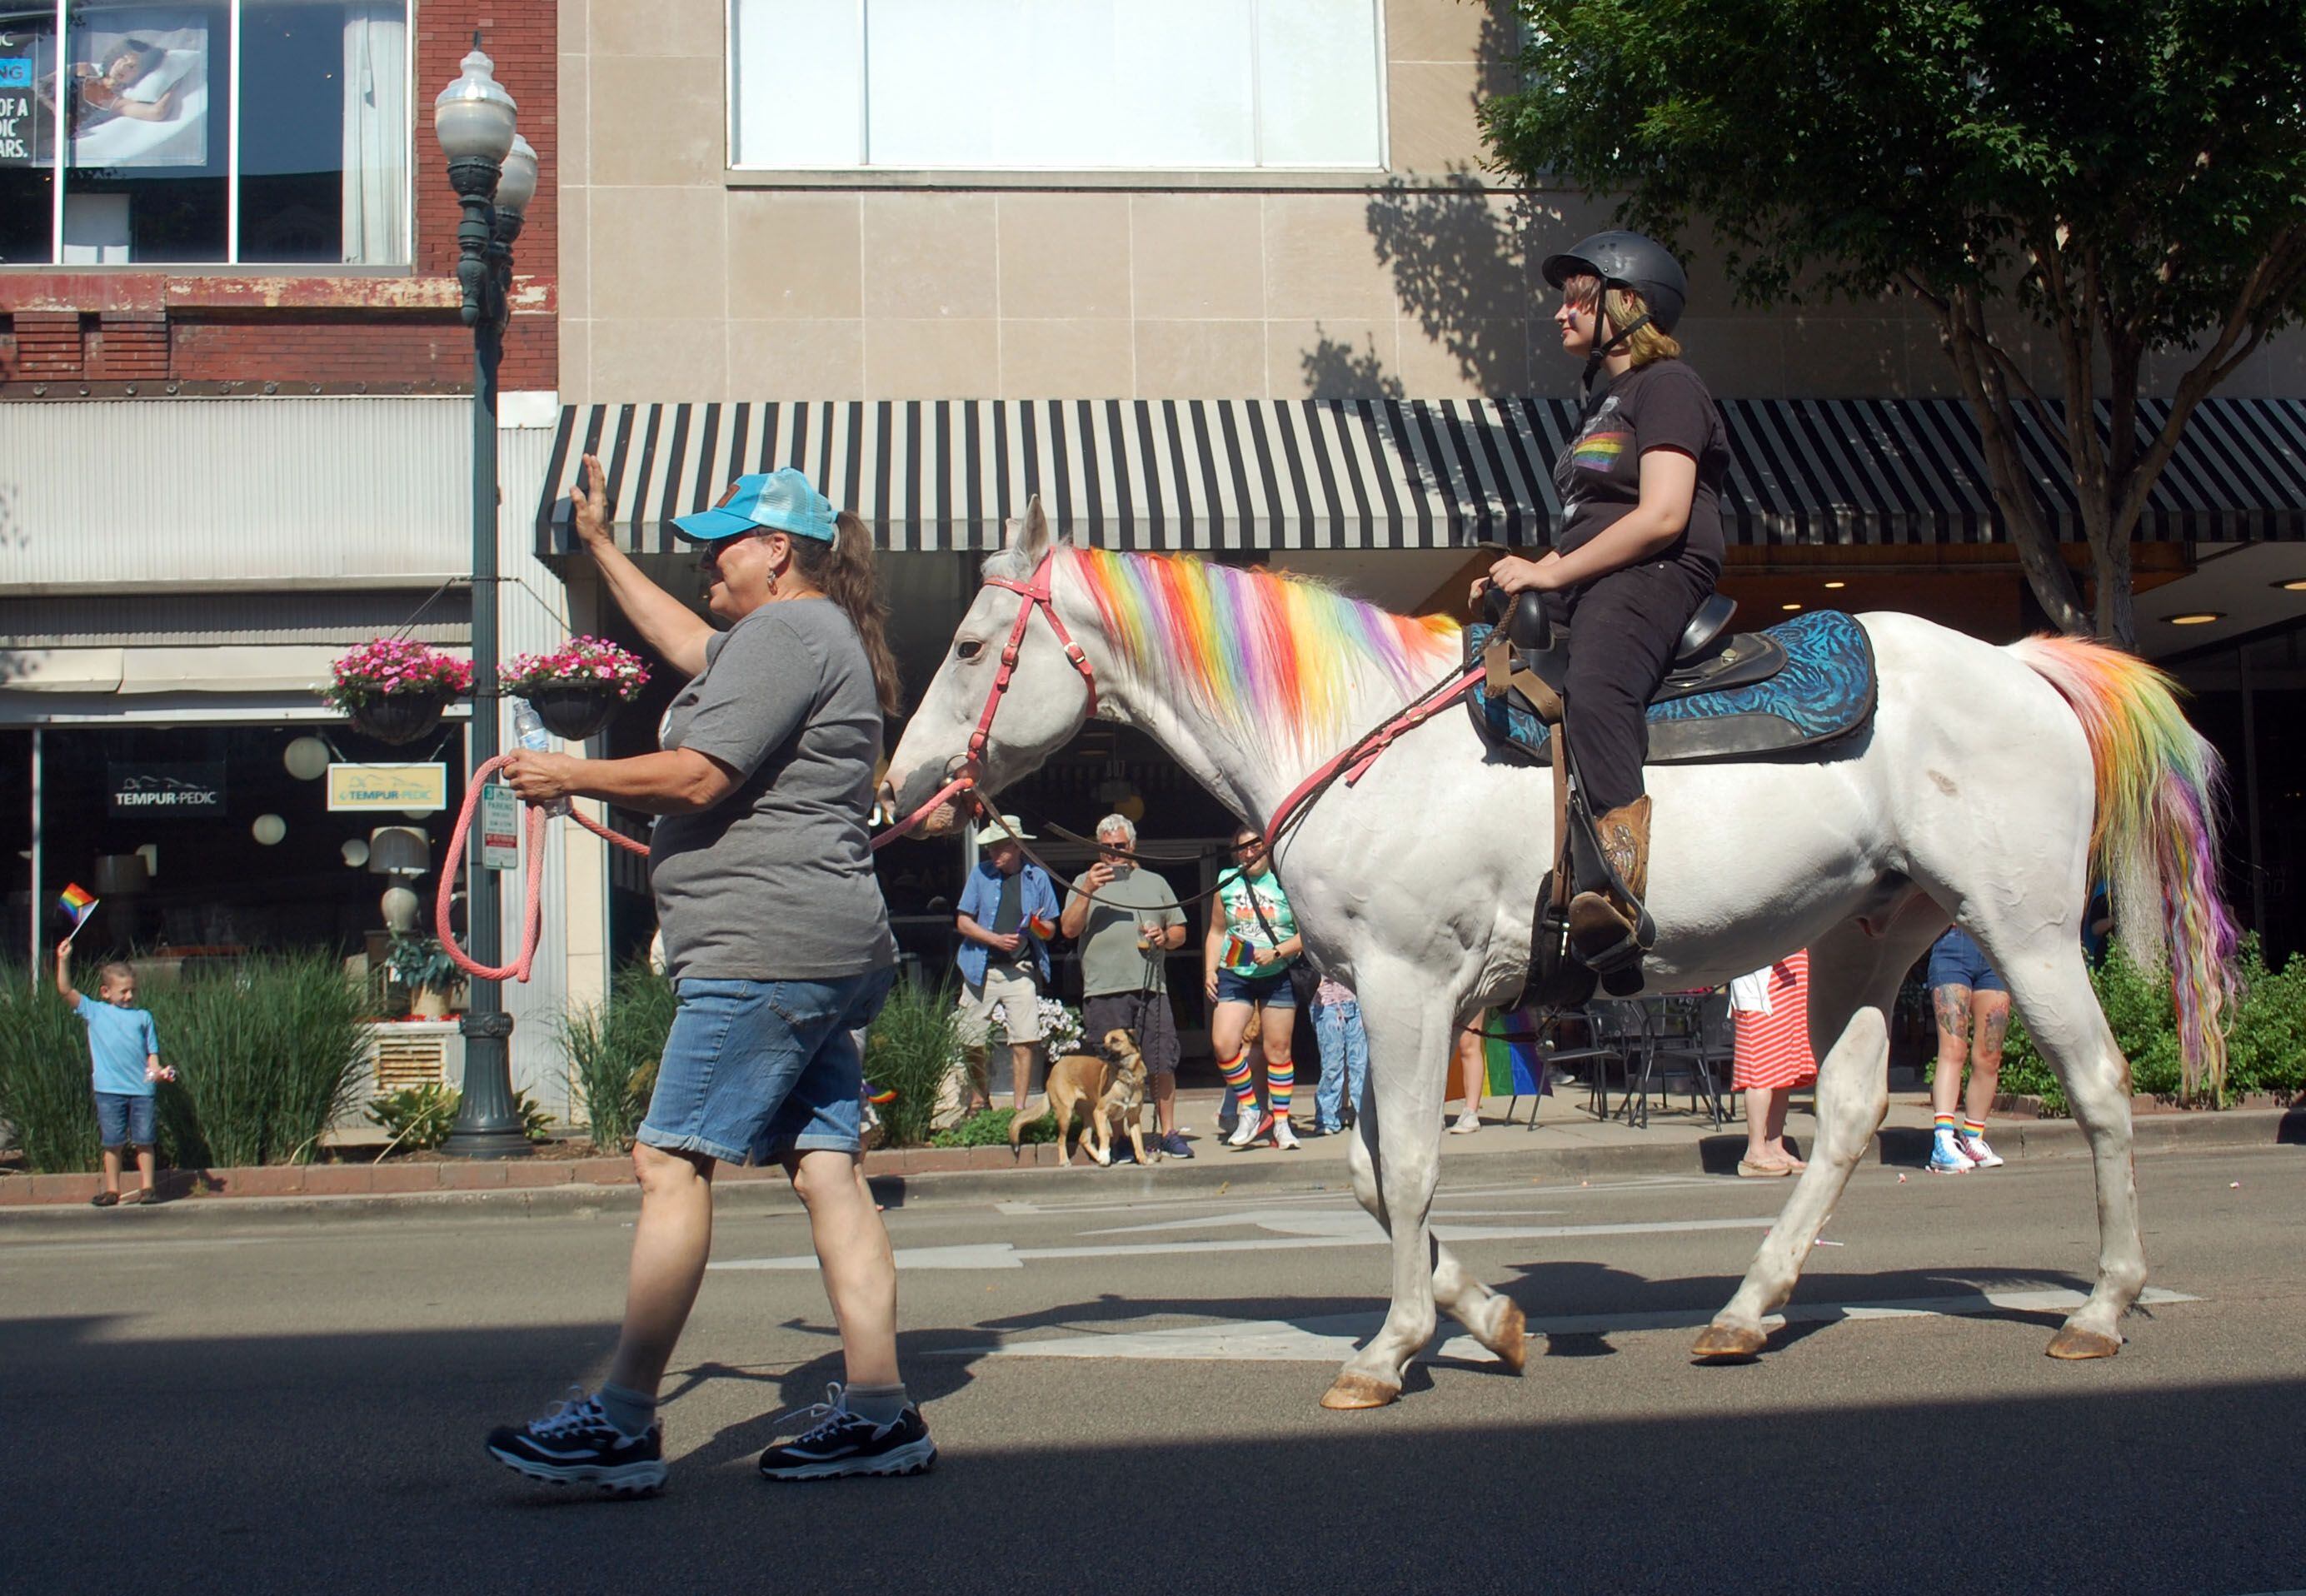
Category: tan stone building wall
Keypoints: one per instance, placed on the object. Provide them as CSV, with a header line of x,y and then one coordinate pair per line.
x,y
684,280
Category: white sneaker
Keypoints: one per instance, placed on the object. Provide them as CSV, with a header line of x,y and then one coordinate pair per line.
x,y
1467,1124
1974,1148
1284,1137
1246,1131
1947,1158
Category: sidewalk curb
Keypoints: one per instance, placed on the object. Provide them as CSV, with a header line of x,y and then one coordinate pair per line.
x,y
553,1191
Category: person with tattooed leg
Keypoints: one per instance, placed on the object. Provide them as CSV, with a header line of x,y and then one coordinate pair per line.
x,y
1973,1011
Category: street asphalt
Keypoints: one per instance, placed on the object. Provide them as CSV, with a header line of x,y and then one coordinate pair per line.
x,y
1126,1392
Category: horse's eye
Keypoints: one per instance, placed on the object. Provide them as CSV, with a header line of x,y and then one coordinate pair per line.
x,y
968,648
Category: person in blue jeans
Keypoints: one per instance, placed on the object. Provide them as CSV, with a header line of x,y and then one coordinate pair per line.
x,y
125,1052
1344,1055
778,944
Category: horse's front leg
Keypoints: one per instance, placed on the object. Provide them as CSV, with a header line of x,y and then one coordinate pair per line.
x,y
1409,1026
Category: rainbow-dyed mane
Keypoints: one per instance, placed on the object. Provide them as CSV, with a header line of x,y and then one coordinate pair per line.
x,y
1262,651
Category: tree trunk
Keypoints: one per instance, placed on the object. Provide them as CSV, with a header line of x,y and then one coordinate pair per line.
x,y
2117,616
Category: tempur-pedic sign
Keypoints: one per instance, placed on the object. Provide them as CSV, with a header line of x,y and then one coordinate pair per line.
x,y
420,788
164,789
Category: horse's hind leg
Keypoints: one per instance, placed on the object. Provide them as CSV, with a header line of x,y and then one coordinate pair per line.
x,y
2049,986
1853,986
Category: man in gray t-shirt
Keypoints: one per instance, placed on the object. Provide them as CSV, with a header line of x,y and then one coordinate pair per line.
x,y
775,881
1127,920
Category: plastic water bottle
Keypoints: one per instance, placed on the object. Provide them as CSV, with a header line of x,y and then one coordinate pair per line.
x,y
528,726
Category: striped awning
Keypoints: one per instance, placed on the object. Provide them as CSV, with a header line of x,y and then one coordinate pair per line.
x,y
1381,473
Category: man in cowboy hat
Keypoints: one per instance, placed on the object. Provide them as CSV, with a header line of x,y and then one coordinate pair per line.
x,y
1006,914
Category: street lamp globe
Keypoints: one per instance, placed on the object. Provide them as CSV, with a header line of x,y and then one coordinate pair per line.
x,y
472,117
516,185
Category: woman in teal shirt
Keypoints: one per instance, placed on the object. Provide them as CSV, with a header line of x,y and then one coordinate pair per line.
x,y
1245,963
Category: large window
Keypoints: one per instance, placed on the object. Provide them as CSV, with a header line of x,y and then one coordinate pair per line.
x,y
1055,85
256,131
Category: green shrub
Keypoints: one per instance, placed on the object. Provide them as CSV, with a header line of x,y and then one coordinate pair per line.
x,y
420,1117
2266,1041
989,1127
267,1056
416,1116
911,1051
613,1051
45,1086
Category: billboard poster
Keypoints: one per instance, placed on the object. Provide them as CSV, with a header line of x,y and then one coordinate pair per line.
x,y
28,68
138,86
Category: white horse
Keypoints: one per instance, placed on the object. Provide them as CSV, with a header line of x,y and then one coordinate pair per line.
x,y
1990,785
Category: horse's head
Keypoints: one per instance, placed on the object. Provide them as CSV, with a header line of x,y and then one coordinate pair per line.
x,y
1048,693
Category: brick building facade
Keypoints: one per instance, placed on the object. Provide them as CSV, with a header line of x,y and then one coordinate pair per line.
x,y
217,330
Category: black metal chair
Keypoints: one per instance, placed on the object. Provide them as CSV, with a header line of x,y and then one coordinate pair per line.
x,y
1615,1030
1694,1031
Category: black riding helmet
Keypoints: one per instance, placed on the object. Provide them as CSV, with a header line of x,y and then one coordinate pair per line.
x,y
1625,260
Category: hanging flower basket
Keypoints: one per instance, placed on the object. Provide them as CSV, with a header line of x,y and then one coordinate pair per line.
x,y
577,688
394,688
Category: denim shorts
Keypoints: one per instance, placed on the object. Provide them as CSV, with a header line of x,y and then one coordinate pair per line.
x,y
1274,990
755,1070
1956,960
124,1119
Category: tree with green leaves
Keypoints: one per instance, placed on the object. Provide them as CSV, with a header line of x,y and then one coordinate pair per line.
x,y
2129,175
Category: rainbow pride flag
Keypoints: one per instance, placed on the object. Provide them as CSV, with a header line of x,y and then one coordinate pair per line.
x,y
1515,1066
77,903
1041,925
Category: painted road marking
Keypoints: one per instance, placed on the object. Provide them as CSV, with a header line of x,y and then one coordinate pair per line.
x,y
1330,1339
1549,1191
1340,1229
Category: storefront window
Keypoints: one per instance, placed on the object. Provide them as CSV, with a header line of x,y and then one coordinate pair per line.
x,y
160,165
217,842
1035,86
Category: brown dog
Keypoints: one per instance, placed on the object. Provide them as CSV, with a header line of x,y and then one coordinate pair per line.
x,y
1110,1089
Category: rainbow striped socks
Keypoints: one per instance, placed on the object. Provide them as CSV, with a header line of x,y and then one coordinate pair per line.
x,y
1973,1129
1280,1081
1944,1124
1243,1080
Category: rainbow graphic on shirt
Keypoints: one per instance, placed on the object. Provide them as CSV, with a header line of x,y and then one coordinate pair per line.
x,y
78,903
1598,451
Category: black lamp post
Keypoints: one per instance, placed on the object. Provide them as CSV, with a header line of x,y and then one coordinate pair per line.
x,y
494,173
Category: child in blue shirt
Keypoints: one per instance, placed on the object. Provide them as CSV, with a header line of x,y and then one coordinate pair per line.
x,y
126,1053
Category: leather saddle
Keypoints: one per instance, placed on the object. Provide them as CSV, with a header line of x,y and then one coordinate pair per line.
x,y
1729,696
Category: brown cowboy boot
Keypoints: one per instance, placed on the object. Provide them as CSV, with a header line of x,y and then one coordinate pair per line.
x,y
1601,922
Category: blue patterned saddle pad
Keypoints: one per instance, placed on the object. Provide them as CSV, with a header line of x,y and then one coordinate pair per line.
x,y
1825,691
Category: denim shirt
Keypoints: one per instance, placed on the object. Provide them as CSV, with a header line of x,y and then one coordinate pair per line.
x,y
981,897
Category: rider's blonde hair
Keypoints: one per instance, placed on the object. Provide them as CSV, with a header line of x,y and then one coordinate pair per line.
x,y
1649,341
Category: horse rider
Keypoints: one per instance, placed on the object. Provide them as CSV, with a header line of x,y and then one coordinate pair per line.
x,y
1641,546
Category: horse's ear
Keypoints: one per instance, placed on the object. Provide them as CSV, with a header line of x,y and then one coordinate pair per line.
x,y
1028,542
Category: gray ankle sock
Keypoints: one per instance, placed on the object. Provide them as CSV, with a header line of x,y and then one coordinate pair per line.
x,y
881,1404
630,1412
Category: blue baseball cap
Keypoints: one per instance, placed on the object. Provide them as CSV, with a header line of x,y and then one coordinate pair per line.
x,y
782,500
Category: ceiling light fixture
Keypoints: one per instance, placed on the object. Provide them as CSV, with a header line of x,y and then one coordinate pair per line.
x,y
2196,618
1832,586
1789,606
2294,584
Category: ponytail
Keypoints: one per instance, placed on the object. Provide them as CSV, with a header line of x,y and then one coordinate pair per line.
x,y
843,571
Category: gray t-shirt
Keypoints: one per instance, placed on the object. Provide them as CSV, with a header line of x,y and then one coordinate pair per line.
x,y
775,881
1111,960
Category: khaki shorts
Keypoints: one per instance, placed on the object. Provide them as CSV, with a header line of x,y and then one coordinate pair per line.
x,y
1014,995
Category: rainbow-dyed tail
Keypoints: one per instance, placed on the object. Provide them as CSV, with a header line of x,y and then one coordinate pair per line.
x,y
2155,840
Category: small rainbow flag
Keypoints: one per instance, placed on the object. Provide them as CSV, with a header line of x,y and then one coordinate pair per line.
x,y
1042,926
1515,1067
78,903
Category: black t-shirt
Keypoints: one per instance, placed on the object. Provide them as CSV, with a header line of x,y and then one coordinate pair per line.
x,y
1663,405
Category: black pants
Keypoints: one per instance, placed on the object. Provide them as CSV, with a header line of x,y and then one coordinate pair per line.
x,y
1623,630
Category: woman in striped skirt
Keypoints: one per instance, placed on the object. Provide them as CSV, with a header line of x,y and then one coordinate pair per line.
x,y
1770,1010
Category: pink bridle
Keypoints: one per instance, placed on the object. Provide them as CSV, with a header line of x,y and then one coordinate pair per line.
x,y
1038,599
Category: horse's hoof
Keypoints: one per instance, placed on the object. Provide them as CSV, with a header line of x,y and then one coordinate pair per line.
x,y
2072,1344
1351,1391
1511,1342
1729,1342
